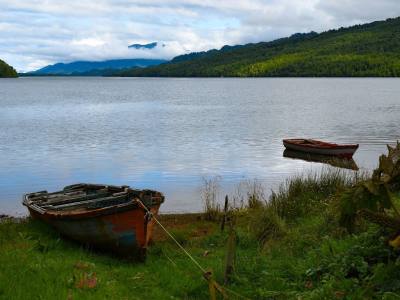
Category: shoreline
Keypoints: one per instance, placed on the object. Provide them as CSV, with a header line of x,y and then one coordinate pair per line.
x,y
291,247
308,240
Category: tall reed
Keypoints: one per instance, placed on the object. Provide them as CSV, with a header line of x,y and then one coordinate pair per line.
x,y
302,195
209,195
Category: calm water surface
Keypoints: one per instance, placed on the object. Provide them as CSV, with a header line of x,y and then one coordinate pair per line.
x,y
169,134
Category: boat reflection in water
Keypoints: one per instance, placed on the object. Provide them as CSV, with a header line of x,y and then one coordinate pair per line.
x,y
330,160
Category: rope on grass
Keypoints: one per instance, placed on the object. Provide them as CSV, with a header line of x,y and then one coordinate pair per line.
x,y
234,293
187,253
172,237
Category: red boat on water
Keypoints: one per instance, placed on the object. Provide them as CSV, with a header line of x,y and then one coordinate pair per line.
x,y
319,147
117,218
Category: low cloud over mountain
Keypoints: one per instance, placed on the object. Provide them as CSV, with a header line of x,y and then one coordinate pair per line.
x,y
39,33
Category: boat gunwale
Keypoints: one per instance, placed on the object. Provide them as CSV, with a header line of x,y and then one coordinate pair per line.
x,y
78,213
83,214
319,144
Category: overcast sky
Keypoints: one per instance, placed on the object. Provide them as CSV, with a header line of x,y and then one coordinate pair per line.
x,y
35,33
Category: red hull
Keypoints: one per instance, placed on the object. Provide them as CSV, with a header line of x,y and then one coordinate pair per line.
x,y
123,228
126,233
319,147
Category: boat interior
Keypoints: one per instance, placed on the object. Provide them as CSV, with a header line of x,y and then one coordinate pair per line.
x,y
312,142
86,196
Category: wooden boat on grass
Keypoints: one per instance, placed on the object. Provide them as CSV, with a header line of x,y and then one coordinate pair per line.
x,y
334,161
319,147
105,216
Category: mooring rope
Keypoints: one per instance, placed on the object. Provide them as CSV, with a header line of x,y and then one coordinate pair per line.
x,y
171,236
234,293
184,250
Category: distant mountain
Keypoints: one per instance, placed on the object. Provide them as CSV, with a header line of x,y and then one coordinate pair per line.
x,y
363,50
95,67
6,70
143,46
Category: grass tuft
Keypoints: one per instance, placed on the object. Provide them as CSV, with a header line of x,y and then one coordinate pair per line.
x,y
265,224
209,195
301,196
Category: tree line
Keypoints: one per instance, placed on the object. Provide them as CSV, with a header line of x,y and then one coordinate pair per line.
x,y
363,50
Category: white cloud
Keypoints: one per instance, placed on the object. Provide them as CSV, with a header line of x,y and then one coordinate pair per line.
x,y
35,33
88,42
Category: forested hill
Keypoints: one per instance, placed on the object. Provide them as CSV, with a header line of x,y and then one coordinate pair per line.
x,y
6,70
363,50
94,68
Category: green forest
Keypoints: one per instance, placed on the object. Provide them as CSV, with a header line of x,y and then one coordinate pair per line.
x,y
6,70
362,50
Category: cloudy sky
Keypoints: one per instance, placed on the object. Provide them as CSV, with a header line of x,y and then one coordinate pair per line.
x,y
35,33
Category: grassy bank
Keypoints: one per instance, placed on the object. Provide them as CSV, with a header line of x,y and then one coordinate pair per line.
x,y
289,247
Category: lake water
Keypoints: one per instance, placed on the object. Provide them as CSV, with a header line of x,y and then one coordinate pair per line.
x,y
169,134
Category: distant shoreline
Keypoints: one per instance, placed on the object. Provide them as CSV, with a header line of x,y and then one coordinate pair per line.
x,y
23,75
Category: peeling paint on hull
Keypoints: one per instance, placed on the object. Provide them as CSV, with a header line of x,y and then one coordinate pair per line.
x,y
125,233
124,228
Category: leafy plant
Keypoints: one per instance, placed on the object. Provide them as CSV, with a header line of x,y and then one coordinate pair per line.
x,y
374,199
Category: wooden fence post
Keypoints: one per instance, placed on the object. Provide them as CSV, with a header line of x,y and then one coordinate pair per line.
x,y
214,287
211,287
231,253
224,215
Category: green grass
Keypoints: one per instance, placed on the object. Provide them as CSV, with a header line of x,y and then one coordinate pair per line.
x,y
309,194
303,254
37,264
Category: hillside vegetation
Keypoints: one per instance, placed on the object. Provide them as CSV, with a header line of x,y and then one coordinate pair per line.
x,y
363,50
6,70
94,68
